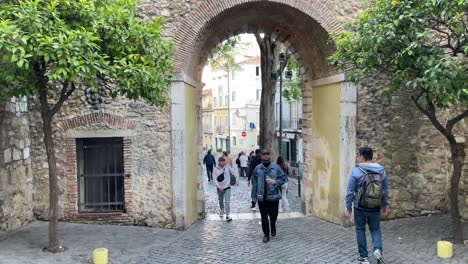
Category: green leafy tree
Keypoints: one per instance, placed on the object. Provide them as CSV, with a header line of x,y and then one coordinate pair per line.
x,y
421,46
293,89
51,48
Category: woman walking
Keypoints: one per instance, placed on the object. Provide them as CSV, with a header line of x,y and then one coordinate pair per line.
x,y
222,181
284,203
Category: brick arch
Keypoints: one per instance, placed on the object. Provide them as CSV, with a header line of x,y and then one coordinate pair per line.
x,y
98,118
198,33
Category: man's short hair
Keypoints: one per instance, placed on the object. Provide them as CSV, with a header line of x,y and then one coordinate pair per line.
x,y
367,153
265,152
221,159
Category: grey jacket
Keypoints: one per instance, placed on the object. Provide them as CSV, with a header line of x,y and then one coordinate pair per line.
x,y
273,192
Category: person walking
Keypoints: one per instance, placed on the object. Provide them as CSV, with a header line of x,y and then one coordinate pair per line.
x,y
284,202
243,160
227,159
223,184
238,164
255,160
210,162
266,189
367,192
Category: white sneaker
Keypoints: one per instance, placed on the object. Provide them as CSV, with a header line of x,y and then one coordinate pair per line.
x,y
228,218
221,214
378,256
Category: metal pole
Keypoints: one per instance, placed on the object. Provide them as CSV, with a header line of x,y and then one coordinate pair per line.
x,y
229,115
299,176
280,140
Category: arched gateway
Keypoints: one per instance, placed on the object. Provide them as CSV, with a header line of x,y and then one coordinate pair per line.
x,y
329,103
159,180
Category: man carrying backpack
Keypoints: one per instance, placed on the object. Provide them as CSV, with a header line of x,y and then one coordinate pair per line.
x,y
368,193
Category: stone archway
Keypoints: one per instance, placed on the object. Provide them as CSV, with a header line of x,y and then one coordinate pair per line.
x,y
329,103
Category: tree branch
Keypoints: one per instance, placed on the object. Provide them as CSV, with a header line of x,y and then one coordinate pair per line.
x,y
430,112
64,95
455,120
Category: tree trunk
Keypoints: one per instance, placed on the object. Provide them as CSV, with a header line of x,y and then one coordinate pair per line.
x,y
47,117
268,54
458,156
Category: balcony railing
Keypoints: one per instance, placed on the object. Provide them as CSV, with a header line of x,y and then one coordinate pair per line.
x,y
295,123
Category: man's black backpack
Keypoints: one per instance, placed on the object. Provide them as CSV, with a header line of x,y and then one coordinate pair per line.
x,y
370,191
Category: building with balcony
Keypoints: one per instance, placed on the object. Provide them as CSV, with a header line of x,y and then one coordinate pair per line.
x,y
207,116
291,123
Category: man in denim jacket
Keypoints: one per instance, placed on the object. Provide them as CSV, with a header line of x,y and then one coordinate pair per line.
x,y
267,179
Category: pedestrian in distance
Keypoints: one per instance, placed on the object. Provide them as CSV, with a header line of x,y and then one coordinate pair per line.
x,y
267,179
284,202
210,162
223,184
367,193
243,161
227,159
251,155
238,164
254,162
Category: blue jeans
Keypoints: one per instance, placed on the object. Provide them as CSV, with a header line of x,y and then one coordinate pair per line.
x,y
224,199
361,217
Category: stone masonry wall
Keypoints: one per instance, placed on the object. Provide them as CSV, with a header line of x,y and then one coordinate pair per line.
x,y
415,154
16,190
151,190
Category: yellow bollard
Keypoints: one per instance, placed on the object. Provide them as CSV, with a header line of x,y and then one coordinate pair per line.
x,y
444,249
100,256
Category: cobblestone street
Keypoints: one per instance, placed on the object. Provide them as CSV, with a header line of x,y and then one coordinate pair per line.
x,y
301,240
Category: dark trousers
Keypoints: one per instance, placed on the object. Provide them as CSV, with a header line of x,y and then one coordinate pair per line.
x,y
209,172
268,209
243,172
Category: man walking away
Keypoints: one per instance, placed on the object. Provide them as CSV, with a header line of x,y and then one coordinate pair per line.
x,y
210,162
223,183
368,193
266,188
255,160
243,164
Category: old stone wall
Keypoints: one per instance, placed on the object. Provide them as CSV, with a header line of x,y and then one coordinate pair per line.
x,y
151,190
16,190
415,154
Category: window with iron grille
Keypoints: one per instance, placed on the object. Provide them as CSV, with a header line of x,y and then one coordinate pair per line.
x,y
100,174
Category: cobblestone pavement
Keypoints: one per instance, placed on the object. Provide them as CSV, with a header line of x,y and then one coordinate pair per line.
x,y
302,240
240,197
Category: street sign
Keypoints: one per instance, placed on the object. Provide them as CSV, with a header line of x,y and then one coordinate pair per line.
x,y
244,134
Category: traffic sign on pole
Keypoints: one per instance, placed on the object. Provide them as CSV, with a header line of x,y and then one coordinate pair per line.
x,y
244,134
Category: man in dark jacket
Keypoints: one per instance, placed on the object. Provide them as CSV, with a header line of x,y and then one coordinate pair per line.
x,y
210,162
266,189
254,162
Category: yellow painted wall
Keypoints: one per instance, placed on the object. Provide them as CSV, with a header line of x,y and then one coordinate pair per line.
x,y
191,154
326,152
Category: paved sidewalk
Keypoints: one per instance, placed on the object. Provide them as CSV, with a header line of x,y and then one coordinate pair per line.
x,y
301,240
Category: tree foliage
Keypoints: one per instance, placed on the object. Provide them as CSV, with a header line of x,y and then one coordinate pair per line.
x,y
76,42
293,89
420,45
223,56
